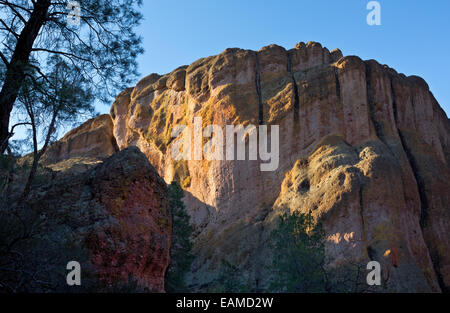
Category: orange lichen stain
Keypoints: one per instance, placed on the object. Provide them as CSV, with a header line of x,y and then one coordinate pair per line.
x,y
349,236
336,238
393,254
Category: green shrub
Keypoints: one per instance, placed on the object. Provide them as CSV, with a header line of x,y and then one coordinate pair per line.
x,y
181,256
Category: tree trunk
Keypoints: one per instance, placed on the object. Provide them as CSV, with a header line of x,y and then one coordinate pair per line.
x,y
37,154
15,72
27,189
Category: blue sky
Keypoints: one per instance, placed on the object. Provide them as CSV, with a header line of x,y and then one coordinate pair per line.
x,y
413,38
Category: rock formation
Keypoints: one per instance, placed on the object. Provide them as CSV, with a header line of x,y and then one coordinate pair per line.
x,y
113,219
362,147
93,139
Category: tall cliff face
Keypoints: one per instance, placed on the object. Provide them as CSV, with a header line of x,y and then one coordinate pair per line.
x,y
365,149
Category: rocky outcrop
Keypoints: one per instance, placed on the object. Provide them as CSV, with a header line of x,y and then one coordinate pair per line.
x,y
113,219
361,195
94,139
363,148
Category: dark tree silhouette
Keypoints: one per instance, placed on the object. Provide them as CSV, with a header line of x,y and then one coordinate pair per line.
x,y
49,104
102,47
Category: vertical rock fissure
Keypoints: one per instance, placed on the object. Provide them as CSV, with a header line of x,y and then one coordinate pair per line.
x,y
339,97
360,176
394,104
338,86
411,96
376,125
258,91
412,162
296,93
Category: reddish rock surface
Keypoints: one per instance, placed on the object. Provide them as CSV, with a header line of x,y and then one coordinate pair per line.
x,y
132,192
114,219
